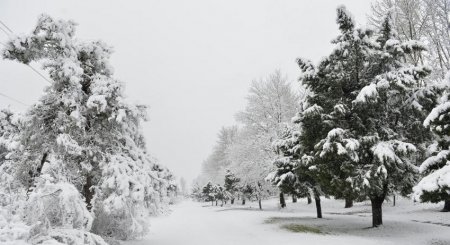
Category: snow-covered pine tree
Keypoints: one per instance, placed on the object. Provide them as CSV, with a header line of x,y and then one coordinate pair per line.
x,y
52,212
83,131
319,163
284,176
167,187
215,192
208,193
172,187
9,133
13,229
231,184
363,115
335,84
247,191
389,111
222,194
293,170
435,185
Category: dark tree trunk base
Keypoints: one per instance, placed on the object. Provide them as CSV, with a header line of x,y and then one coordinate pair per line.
x,y
446,206
377,212
294,199
87,192
243,201
282,201
318,207
35,174
259,202
309,200
348,203
232,201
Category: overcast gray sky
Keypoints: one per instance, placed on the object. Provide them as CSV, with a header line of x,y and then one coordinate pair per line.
x,y
190,61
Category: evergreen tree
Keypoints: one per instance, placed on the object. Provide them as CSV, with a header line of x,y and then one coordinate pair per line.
x,y
435,185
222,194
284,176
10,127
294,172
83,132
389,111
247,192
334,85
167,187
208,193
360,131
231,184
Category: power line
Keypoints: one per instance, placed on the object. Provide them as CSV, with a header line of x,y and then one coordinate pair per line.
x,y
15,100
8,34
3,24
34,69
31,67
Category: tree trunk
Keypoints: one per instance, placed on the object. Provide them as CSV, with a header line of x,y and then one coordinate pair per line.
x,y
88,193
212,203
318,206
309,200
446,206
294,198
232,201
282,201
259,202
243,201
43,160
348,202
377,212
37,173
216,202
394,200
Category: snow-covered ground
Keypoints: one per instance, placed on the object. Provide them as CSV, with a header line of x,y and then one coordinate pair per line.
x,y
199,223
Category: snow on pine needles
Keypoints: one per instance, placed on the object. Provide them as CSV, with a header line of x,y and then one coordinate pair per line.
x,y
75,165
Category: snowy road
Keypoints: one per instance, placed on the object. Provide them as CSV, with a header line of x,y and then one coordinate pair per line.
x,y
192,224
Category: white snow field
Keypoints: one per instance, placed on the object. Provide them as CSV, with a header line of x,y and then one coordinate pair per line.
x,y
199,223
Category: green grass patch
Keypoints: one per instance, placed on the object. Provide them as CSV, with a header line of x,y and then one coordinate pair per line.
x,y
293,224
276,220
301,228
